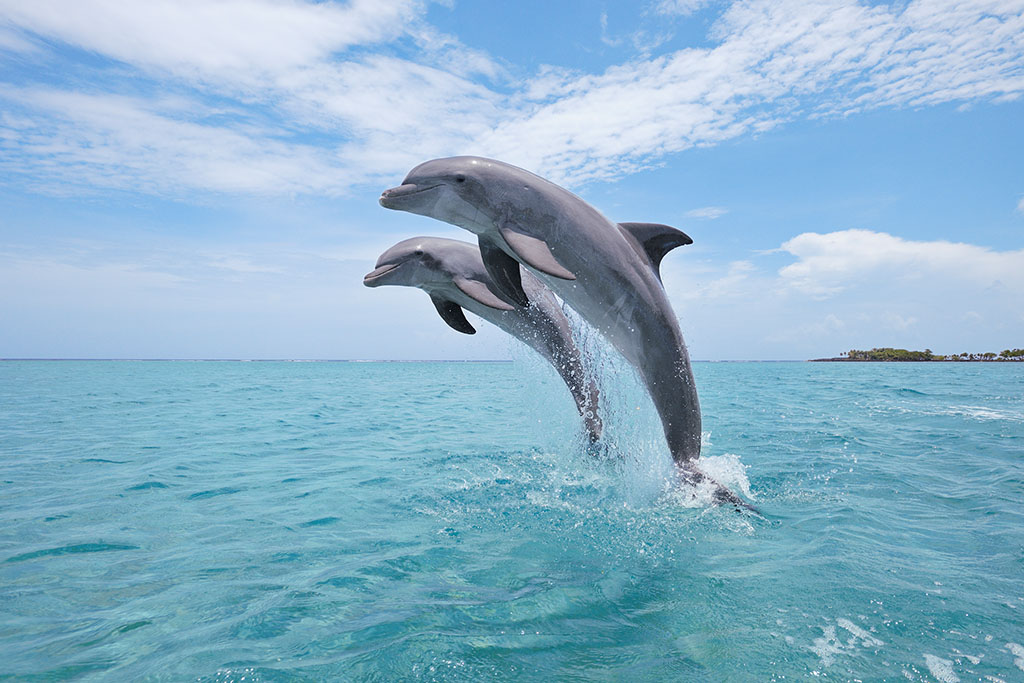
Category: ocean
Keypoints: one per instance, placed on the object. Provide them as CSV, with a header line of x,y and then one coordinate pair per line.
x,y
287,521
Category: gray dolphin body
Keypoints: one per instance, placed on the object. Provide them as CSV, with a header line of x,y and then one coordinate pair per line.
x,y
607,272
453,274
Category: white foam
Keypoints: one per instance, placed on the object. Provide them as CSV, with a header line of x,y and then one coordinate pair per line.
x,y
866,638
827,647
941,669
983,413
728,471
1018,652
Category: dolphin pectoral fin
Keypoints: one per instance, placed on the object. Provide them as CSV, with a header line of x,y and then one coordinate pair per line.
x,y
479,292
452,314
504,272
656,240
535,253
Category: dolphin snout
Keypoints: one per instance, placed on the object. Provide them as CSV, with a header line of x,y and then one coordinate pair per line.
x,y
372,279
390,197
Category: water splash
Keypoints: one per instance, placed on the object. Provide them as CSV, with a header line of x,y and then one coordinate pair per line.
x,y
632,454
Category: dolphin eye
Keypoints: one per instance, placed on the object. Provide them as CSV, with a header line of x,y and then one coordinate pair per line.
x,y
419,252
460,178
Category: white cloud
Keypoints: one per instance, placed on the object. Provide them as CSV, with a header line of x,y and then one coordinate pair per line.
x,y
411,93
775,61
897,321
705,283
682,8
1020,205
849,289
228,39
9,40
185,298
120,142
812,329
828,263
707,212
605,38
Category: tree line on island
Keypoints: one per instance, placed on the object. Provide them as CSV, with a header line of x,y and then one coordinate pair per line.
x,y
891,354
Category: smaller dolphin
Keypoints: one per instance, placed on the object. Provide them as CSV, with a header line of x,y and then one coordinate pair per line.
x,y
453,274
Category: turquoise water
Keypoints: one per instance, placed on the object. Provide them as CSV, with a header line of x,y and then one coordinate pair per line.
x,y
224,521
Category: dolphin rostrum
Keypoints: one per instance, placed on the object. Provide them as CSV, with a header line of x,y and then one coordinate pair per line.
x,y
453,274
608,272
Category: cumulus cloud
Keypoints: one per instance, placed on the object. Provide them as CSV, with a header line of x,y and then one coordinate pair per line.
x,y
849,289
361,90
828,263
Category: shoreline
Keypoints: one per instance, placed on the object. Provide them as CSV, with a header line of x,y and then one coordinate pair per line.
x,y
920,360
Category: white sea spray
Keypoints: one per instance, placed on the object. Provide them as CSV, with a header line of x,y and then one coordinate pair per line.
x,y
1018,652
941,669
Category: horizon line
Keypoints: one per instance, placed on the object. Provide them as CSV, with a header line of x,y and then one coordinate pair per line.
x,y
355,360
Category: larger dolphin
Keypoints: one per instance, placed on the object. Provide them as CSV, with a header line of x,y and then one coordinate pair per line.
x,y
453,274
608,272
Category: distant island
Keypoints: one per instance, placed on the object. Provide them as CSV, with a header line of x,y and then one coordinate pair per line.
x,y
888,354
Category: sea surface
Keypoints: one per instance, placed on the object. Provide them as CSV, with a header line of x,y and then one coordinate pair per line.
x,y
287,521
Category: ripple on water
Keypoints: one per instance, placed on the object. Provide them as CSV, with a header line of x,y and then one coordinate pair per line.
x,y
279,520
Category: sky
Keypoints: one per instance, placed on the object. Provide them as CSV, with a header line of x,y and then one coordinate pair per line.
x,y
199,178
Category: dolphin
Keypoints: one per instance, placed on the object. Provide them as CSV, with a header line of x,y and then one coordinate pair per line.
x,y
608,272
453,274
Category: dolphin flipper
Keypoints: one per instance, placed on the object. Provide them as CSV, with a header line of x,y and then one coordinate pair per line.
x,y
504,272
656,240
478,291
452,314
534,252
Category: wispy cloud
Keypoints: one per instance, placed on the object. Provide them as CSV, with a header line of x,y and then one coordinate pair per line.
x,y
320,97
682,8
112,141
238,41
707,212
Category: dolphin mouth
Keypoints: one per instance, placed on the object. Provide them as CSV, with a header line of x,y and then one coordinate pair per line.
x,y
390,197
371,278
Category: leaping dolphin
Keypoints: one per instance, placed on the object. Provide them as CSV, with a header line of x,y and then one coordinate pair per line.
x,y
453,274
608,272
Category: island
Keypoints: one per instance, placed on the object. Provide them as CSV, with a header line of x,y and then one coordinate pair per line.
x,y
889,354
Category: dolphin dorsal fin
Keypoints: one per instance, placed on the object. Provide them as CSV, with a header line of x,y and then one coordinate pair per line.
x,y
452,314
478,291
656,240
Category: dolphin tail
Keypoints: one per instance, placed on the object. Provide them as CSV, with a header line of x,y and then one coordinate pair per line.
x,y
722,495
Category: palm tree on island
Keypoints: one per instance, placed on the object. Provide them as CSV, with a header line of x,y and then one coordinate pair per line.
x,y
890,354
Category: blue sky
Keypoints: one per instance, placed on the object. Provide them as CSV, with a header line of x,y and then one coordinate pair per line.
x,y
200,179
